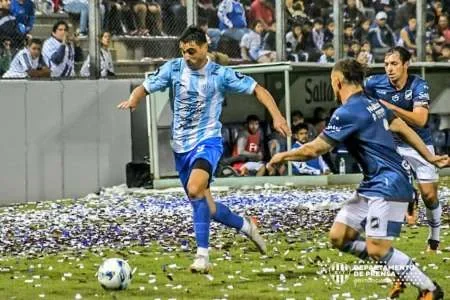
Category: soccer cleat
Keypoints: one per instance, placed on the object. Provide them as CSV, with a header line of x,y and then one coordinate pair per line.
x,y
255,236
437,294
433,246
201,265
397,289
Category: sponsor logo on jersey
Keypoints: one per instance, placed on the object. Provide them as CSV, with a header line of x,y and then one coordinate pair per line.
x,y
408,95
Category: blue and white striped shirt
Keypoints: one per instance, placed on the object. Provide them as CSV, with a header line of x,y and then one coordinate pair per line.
x,y
197,97
59,57
22,64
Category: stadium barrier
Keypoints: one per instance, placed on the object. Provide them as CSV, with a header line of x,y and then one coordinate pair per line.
x,y
62,139
306,86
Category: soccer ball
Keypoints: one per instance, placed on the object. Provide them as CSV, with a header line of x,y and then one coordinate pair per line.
x,y
114,274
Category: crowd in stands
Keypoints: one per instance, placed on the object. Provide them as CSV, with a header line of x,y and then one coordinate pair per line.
x,y
248,147
248,26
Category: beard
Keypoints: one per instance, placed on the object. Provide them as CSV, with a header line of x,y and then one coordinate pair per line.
x,y
338,99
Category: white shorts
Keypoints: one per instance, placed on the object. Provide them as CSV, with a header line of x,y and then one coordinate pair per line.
x,y
377,217
252,165
424,171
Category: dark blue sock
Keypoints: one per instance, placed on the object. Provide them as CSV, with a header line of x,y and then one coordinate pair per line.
x,y
225,216
201,222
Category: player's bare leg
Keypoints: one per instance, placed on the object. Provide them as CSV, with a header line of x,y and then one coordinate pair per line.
x,y
429,193
346,239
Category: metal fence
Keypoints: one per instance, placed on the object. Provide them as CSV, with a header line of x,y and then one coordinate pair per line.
x,y
240,31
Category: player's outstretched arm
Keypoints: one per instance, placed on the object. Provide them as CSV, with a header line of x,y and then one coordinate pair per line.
x,y
410,137
306,152
418,117
279,122
133,101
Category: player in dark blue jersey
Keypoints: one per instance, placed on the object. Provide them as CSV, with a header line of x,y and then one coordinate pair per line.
x,y
364,125
408,97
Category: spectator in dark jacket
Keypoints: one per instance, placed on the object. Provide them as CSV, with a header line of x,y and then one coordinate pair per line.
x,y
352,14
6,56
403,13
361,33
381,35
9,28
23,10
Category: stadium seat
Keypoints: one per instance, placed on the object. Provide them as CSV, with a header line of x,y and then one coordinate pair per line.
x,y
226,142
447,141
229,47
439,141
434,121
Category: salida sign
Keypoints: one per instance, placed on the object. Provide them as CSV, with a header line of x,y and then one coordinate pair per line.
x,y
318,90
309,92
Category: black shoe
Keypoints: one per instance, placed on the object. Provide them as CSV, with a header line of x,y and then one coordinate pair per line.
x,y
433,245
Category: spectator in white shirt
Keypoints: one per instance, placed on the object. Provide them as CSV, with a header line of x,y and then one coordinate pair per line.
x,y
28,62
106,62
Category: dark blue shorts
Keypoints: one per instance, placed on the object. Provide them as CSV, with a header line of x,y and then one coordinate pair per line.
x,y
210,150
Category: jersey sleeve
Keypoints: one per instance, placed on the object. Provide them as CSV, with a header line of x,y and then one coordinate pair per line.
x,y
160,80
390,116
342,125
421,94
237,82
369,86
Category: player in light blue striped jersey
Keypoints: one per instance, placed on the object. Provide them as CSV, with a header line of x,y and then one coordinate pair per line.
x,y
198,87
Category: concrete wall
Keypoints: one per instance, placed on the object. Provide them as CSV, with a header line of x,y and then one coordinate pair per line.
x,y
61,138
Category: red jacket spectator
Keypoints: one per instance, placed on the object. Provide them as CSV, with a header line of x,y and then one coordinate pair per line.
x,y
262,10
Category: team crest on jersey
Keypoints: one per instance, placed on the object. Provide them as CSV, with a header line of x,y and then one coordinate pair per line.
x,y
395,98
408,95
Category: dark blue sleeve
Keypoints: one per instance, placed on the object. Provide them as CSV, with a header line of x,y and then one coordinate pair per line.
x,y
58,56
421,94
369,86
389,113
342,125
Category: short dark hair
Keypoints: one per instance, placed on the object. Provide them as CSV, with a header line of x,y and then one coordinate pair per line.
x,y
404,54
251,118
59,23
255,23
353,71
298,127
193,34
297,113
35,41
318,21
100,36
348,25
202,22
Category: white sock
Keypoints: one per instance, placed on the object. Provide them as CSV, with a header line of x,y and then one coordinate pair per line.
x,y
246,226
434,222
203,251
407,271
